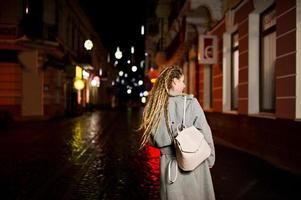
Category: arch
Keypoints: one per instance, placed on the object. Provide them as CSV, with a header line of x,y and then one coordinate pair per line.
x,y
215,7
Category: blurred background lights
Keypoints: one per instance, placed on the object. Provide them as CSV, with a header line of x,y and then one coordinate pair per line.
x,y
142,64
86,74
95,81
78,72
118,53
134,68
142,30
145,93
153,80
108,58
88,44
115,63
79,84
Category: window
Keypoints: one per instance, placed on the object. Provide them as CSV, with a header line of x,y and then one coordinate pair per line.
x,y
7,55
267,60
208,87
234,70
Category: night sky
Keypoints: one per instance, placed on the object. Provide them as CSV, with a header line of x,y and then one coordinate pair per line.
x,y
118,22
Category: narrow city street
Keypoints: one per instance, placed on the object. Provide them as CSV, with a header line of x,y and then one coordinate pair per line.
x,y
95,156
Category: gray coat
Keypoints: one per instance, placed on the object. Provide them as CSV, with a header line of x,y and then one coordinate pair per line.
x,y
195,185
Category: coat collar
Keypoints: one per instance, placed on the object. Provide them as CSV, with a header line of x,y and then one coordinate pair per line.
x,y
179,94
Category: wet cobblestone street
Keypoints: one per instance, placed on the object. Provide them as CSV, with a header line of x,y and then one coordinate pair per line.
x,y
95,156
89,157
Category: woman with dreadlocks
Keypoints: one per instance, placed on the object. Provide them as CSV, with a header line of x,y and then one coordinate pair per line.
x,y
161,115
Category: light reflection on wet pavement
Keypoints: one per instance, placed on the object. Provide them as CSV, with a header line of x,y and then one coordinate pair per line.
x,y
89,157
95,156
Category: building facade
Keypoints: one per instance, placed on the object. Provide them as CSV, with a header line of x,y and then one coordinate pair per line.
x,y
42,44
241,60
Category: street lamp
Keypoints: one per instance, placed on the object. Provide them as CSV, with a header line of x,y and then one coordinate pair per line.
x,y
118,53
88,44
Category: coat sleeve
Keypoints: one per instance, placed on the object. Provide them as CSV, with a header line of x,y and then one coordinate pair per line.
x,y
201,124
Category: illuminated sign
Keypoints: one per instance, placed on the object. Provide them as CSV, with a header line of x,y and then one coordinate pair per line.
x,y
207,53
78,72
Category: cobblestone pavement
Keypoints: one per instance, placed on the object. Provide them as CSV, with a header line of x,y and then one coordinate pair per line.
x,y
95,156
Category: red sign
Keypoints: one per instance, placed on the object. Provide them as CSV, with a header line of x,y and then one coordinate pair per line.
x,y
153,73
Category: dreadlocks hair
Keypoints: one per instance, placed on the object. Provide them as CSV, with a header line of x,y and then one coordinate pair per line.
x,y
157,104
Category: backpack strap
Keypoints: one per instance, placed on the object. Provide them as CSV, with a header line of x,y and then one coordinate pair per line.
x,y
184,111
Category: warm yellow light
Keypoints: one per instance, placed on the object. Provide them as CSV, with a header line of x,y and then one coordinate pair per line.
x,y
79,84
153,80
79,97
76,140
78,72
87,96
